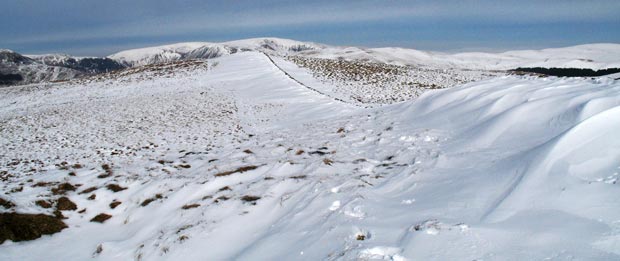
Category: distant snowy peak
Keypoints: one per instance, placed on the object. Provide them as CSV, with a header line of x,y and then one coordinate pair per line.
x,y
169,53
592,56
89,65
275,45
10,57
206,50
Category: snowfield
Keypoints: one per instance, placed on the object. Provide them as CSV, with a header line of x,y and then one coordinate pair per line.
x,y
244,157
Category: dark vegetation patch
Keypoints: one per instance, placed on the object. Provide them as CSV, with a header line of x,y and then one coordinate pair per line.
x,y
190,206
248,198
63,188
6,204
43,203
566,72
221,198
101,218
148,201
43,184
21,227
10,78
115,187
328,161
107,171
115,204
17,189
239,170
224,188
88,190
185,166
92,197
65,203
318,152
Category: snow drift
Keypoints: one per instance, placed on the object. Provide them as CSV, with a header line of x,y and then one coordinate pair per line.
x,y
237,160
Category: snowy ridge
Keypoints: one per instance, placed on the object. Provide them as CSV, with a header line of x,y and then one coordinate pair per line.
x,y
238,161
204,50
593,56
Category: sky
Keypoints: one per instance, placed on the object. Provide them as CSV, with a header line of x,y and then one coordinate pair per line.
x,y
97,28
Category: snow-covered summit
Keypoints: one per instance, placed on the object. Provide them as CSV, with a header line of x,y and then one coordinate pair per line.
x,y
206,50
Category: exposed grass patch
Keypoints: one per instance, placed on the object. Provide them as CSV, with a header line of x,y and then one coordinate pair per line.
x,y
101,218
6,204
108,171
190,206
115,204
115,187
239,170
248,198
43,184
148,201
88,190
22,227
221,198
224,188
63,188
65,203
318,152
185,166
43,203
328,161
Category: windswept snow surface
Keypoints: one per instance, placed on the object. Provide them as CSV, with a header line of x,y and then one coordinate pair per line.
x,y
509,168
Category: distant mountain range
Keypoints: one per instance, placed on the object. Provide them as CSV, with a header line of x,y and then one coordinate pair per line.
x,y
23,69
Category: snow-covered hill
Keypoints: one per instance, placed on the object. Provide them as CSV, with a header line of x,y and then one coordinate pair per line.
x,y
240,159
62,67
18,69
87,65
204,50
593,56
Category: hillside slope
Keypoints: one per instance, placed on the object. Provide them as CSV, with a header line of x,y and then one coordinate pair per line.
x,y
234,159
